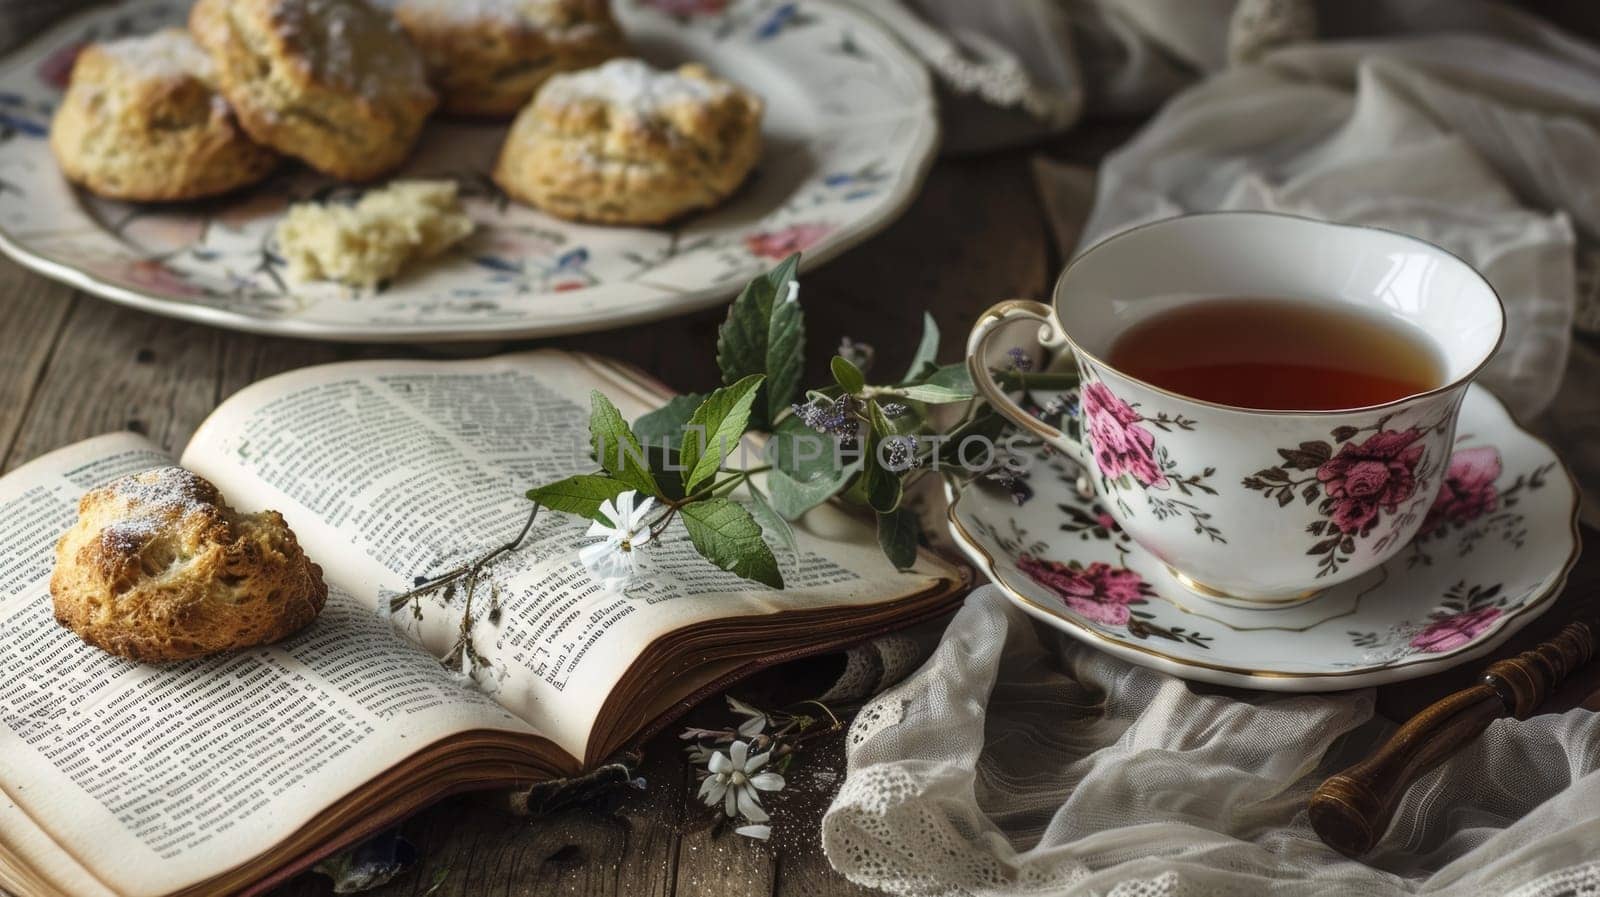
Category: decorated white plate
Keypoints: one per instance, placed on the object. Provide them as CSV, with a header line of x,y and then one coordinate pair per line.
x,y
1493,554
850,131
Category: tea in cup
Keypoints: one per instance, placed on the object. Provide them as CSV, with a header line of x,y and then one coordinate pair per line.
x,y
1266,402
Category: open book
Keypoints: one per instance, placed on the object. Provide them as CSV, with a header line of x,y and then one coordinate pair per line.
x,y
231,773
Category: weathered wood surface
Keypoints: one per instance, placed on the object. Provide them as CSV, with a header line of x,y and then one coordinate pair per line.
x,y
72,367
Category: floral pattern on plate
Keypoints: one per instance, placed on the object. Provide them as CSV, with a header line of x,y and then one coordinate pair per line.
x,y
850,130
1495,548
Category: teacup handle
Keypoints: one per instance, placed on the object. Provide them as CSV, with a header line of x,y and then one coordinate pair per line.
x,y
1051,336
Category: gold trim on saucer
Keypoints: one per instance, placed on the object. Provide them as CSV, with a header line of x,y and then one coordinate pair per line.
x,y
1535,605
1232,600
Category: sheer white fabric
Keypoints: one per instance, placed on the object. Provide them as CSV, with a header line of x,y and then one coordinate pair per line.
x,y
1016,761
1476,144
1464,122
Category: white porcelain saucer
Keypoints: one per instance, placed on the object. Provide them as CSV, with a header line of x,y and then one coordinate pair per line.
x,y
1494,554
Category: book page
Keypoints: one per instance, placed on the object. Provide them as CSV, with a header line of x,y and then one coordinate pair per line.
x,y
399,470
152,777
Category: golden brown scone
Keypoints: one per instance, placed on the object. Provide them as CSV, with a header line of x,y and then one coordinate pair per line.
x,y
141,120
487,57
159,568
335,83
624,143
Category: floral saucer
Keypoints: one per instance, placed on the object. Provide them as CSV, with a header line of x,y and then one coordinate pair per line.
x,y
850,130
1493,554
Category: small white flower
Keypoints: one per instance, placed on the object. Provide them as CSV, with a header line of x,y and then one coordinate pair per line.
x,y
613,560
758,832
736,781
756,722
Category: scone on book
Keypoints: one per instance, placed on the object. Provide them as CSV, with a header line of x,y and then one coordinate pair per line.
x,y
404,467
624,143
141,120
159,568
334,83
487,57
366,243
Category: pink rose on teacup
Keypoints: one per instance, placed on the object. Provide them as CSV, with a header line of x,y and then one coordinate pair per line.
x,y
1454,631
1098,592
1120,445
1469,489
1376,475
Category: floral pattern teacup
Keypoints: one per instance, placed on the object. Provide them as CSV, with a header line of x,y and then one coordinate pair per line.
x,y
1249,506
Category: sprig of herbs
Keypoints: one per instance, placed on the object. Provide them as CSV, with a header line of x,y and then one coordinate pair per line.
x,y
852,440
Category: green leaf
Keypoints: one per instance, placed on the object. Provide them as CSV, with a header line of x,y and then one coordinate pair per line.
x,y
582,495
786,351
927,350
729,537
883,487
802,452
881,425
985,428
666,467
937,395
897,536
743,338
713,431
665,424
792,497
772,523
847,375
1044,381
954,377
616,448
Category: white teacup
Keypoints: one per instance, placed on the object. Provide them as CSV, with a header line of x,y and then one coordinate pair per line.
x,y
1192,481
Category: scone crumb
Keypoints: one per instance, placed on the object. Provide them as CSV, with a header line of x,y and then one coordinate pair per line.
x,y
369,242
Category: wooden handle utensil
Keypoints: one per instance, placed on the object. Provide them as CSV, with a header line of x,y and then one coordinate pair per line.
x,y
1351,810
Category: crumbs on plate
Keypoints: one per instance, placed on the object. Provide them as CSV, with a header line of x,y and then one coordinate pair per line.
x,y
368,242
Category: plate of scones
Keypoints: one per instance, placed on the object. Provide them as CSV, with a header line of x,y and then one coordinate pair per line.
x,y
435,170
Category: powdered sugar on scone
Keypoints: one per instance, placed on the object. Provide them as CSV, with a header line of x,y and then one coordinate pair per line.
x,y
545,14
149,501
334,83
631,87
168,53
624,143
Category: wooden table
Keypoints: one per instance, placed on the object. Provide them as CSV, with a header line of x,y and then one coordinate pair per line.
x,y
72,367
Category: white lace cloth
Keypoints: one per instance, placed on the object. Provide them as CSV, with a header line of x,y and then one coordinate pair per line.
x,y
1481,145
1017,761
1465,122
